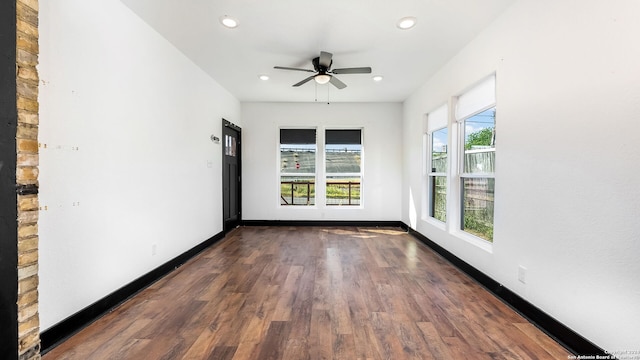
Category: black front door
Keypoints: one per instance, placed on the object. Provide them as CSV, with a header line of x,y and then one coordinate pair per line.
x,y
231,175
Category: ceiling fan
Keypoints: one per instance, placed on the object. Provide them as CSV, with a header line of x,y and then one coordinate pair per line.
x,y
324,74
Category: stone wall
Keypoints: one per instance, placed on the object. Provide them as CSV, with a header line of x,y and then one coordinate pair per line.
x,y
27,178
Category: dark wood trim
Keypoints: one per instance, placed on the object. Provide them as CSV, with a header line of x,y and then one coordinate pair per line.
x,y
8,196
328,223
566,337
76,322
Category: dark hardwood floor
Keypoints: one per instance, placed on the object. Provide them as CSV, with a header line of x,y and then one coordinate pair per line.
x,y
313,293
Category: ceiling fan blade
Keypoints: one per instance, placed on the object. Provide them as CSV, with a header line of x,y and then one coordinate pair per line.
x,y
358,70
337,83
325,59
304,81
290,68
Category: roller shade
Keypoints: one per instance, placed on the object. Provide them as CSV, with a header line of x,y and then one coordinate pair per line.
x,y
437,119
297,136
343,137
477,98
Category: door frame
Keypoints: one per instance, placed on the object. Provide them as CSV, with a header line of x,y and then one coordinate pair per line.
x,y
228,226
8,191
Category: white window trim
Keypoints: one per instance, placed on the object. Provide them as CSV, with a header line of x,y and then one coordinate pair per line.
x,y
435,120
325,174
281,174
461,175
473,240
432,175
320,175
454,212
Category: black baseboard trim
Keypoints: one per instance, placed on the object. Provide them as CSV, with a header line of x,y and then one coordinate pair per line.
x,y
328,223
58,333
566,337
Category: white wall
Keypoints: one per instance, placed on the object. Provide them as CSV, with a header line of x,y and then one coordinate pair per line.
x,y
382,154
126,119
568,135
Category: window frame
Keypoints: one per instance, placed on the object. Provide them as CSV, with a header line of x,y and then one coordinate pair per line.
x,y
282,174
327,174
437,120
490,102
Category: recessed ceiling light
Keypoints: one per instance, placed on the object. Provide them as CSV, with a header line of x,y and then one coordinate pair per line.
x,y
264,77
377,78
406,23
229,22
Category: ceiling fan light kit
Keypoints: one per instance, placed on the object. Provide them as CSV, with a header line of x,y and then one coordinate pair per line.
x,y
322,78
324,73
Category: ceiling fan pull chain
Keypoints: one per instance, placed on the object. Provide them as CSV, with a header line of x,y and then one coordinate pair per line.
x,y
328,95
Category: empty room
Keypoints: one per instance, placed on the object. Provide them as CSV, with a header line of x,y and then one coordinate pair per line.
x,y
362,179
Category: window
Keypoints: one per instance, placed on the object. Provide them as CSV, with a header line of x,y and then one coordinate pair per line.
x,y
230,145
297,166
438,140
476,117
343,166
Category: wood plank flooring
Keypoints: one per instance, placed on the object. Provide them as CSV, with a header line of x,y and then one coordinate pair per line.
x,y
313,293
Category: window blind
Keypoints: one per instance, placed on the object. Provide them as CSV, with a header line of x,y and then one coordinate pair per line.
x,y
479,97
343,137
297,136
437,119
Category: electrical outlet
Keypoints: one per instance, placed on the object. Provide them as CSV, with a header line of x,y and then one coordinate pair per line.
x,y
522,274
154,249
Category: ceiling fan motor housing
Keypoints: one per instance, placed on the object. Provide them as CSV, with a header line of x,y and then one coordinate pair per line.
x,y
320,68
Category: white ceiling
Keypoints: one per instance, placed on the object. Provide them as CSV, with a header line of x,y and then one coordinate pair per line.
x,y
292,32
